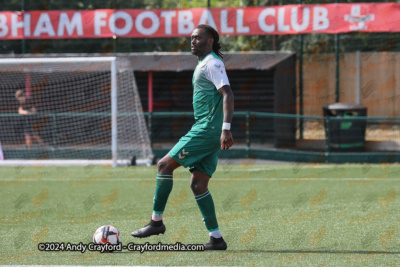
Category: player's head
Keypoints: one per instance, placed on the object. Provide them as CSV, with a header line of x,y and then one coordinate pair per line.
x,y
205,39
20,95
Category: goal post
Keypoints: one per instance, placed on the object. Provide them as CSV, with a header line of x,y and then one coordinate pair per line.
x,y
87,108
114,111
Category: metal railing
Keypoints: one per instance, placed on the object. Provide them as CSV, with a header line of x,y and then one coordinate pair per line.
x,y
251,130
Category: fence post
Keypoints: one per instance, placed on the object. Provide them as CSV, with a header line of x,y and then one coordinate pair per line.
x,y
358,77
247,133
301,100
337,96
327,138
23,42
54,130
114,38
151,128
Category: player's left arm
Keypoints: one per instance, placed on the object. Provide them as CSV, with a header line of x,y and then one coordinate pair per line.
x,y
228,107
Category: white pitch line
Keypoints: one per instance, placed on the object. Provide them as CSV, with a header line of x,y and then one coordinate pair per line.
x,y
299,167
67,265
187,179
272,169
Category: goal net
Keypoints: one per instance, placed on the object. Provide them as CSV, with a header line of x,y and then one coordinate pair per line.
x,y
71,109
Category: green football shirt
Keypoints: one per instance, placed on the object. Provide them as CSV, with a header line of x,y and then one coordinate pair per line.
x,y
208,77
199,148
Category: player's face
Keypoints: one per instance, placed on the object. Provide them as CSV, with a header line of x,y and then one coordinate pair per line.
x,y
201,43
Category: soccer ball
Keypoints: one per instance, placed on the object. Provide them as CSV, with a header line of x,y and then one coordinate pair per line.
x,y
107,234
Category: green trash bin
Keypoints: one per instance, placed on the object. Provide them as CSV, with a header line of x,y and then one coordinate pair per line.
x,y
347,134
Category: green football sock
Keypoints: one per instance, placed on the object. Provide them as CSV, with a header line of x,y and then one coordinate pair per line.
x,y
207,209
163,188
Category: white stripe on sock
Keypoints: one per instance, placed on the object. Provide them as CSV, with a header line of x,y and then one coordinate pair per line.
x,y
215,234
203,196
157,217
196,196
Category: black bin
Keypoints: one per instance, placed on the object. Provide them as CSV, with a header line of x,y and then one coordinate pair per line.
x,y
347,134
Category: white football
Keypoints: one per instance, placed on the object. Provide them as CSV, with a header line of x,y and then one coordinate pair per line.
x,y
107,234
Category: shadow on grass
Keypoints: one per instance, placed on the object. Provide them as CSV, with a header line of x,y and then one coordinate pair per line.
x,y
244,251
288,251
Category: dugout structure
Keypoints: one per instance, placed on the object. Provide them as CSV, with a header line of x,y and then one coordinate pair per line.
x,y
262,81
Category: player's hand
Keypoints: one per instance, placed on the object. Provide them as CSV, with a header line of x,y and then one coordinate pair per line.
x,y
226,139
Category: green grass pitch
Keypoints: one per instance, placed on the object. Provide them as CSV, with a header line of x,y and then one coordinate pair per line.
x,y
270,215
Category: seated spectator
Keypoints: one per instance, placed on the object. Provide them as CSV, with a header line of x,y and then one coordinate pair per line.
x,y
27,109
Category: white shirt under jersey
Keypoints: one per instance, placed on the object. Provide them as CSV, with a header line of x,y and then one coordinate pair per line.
x,y
215,73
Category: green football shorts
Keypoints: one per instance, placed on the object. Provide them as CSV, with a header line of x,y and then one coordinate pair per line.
x,y
198,149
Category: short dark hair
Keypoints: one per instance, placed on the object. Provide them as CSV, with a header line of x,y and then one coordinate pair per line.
x,y
211,31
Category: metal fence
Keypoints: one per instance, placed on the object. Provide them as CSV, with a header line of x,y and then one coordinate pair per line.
x,y
256,134
265,130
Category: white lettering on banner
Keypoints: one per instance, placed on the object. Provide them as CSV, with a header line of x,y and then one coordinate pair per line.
x,y
261,20
155,22
207,18
224,22
15,24
25,23
185,22
133,23
44,26
99,22
306,19
281,21
70,25
168,15
3,25
120,15
320,18
240,28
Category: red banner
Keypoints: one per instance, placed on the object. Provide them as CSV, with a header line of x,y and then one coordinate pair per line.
x,y
135,23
